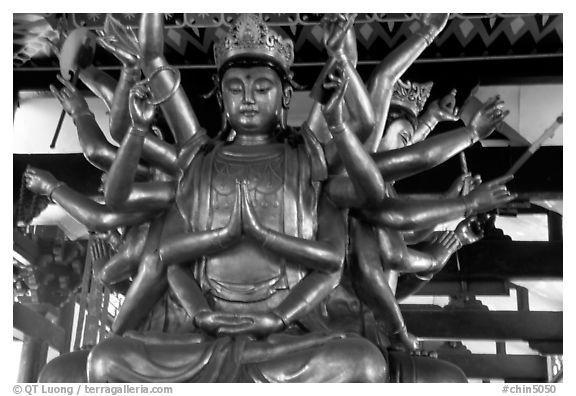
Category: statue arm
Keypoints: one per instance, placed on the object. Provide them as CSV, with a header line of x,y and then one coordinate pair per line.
x,y
399,257
357,100
316,286
404,162
414,214
192,245
403,214
177,110
324,254
408,161
97,150
125,262
381,83
119,113
412,237
120,182
100,83
93,215
149,196
360,120
365,180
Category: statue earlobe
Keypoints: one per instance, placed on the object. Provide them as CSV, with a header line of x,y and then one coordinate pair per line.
x,y
218,92
287,96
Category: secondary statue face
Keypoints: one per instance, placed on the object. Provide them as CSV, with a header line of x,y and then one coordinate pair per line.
x,y
398,134
252,99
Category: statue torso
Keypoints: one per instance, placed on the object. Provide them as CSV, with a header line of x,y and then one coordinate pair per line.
x,y
246,273
245,277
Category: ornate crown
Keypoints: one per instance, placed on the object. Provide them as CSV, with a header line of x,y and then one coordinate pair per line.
x,y
411,95
250,37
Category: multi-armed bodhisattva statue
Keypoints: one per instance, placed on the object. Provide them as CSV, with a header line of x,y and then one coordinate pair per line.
x,y
251,233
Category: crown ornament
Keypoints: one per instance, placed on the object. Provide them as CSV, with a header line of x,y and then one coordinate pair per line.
x,y
250,37
411,95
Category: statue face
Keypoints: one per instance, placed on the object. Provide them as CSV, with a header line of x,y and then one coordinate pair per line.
x,y
252,99
398,134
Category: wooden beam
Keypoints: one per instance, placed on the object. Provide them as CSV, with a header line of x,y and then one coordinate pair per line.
x,y
495,259
547,348
37,326
475,288
486,325
519,367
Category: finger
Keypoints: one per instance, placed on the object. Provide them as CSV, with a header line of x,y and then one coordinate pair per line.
x,y
233,320
53,47
349,22
453,244
503,115
452,117
443,236
65,93
138,91
233,330
464,176
500,105
56,93
66,83
510,198
342,91
238,197
246,197
330,85
498,188
491,102
500,180
104,43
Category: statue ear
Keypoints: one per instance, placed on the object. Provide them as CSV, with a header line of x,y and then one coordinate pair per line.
x,y
286,96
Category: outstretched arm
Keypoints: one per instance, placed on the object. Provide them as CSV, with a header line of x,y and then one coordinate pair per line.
x,y
381,83
408,161
428,258
177,110
467,232
93,215
424,213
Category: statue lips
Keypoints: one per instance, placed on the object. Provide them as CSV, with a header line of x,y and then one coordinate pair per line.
x,y
249,112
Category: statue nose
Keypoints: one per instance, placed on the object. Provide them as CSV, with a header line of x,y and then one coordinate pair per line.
x,y
249,97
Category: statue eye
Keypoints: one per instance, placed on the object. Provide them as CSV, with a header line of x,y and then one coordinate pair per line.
x,y
404,137
234,89
262,89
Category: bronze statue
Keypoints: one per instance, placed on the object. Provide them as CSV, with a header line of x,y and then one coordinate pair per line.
x,y
250,236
